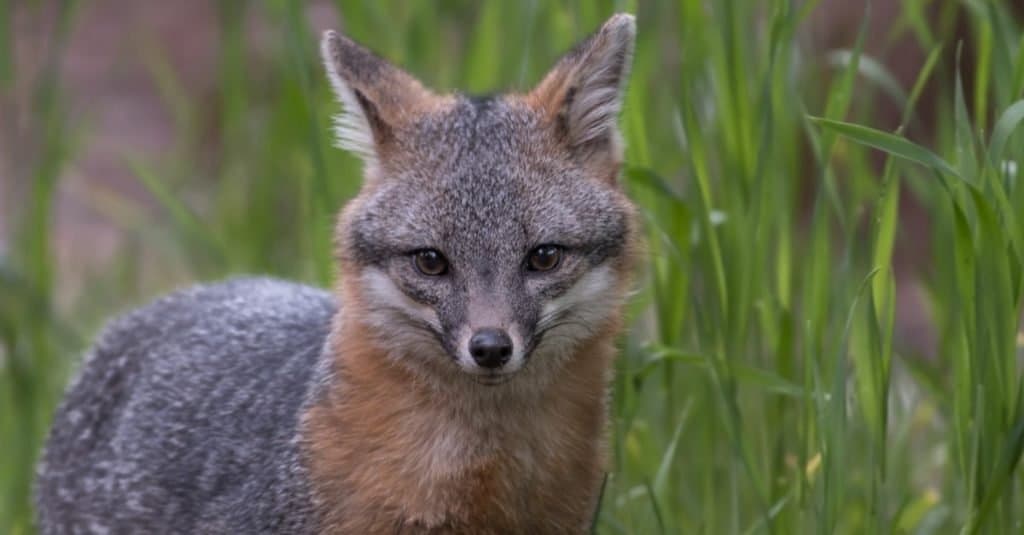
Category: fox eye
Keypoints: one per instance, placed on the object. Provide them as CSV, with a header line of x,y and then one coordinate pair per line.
x,y
430,262
544,258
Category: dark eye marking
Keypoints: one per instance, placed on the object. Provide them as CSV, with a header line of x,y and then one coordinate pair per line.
x,y
544,258
430,262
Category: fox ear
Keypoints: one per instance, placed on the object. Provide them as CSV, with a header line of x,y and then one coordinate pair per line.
x,y
377,98
582,95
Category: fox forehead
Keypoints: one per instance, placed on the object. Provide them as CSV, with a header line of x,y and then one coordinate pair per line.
x,y
482,178
493,138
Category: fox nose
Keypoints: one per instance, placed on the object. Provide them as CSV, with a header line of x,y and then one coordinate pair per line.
x,y
490,347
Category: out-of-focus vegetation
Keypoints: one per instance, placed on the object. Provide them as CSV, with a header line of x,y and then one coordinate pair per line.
x,y
762,386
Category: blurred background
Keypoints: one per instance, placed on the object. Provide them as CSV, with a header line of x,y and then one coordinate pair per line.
x,y
825,338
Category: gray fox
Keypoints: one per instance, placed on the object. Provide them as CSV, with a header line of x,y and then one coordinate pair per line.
x,y
455,380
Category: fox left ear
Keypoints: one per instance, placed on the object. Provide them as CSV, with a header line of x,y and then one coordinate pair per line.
x,y
378,99
582,94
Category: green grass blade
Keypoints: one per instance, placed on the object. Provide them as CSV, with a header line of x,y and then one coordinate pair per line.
x,y
919,84
1004,128
892,144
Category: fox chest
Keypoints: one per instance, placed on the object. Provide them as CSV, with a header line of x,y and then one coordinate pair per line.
x,y
483,500
446,489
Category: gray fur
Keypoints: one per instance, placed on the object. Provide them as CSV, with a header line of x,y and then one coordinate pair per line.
x,y
184,417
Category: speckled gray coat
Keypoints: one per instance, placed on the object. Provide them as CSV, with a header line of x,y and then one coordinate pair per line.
x,y
184,417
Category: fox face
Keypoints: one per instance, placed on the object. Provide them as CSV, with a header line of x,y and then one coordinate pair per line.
x,y
490,239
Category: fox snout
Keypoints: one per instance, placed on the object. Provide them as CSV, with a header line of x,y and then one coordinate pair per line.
x,y
493,337
490,348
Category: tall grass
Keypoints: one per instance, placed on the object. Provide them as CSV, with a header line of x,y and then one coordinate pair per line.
x,y
762,388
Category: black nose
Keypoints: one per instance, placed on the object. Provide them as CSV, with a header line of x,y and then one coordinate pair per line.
x,y
490,347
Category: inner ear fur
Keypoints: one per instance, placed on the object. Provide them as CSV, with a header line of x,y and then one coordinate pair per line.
x,y
581,96
377,98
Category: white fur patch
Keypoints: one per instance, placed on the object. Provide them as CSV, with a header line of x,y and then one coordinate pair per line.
x,y
382,294
584,297
577,313
352,130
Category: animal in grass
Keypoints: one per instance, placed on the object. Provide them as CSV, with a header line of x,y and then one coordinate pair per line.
x,y
454,382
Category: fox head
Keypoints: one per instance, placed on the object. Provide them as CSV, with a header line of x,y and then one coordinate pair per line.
x,y
490,239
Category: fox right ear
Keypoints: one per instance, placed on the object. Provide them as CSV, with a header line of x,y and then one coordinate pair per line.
x,y
582,95
377,98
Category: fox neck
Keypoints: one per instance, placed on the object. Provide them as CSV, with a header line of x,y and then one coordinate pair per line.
x,y
382,437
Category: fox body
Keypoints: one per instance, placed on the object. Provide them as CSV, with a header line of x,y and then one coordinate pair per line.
x,y
454,382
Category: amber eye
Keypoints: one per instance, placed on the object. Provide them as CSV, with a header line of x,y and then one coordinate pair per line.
x,y
430,262
544,258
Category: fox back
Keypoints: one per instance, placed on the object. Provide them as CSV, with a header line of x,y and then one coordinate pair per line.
x,y
456,380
